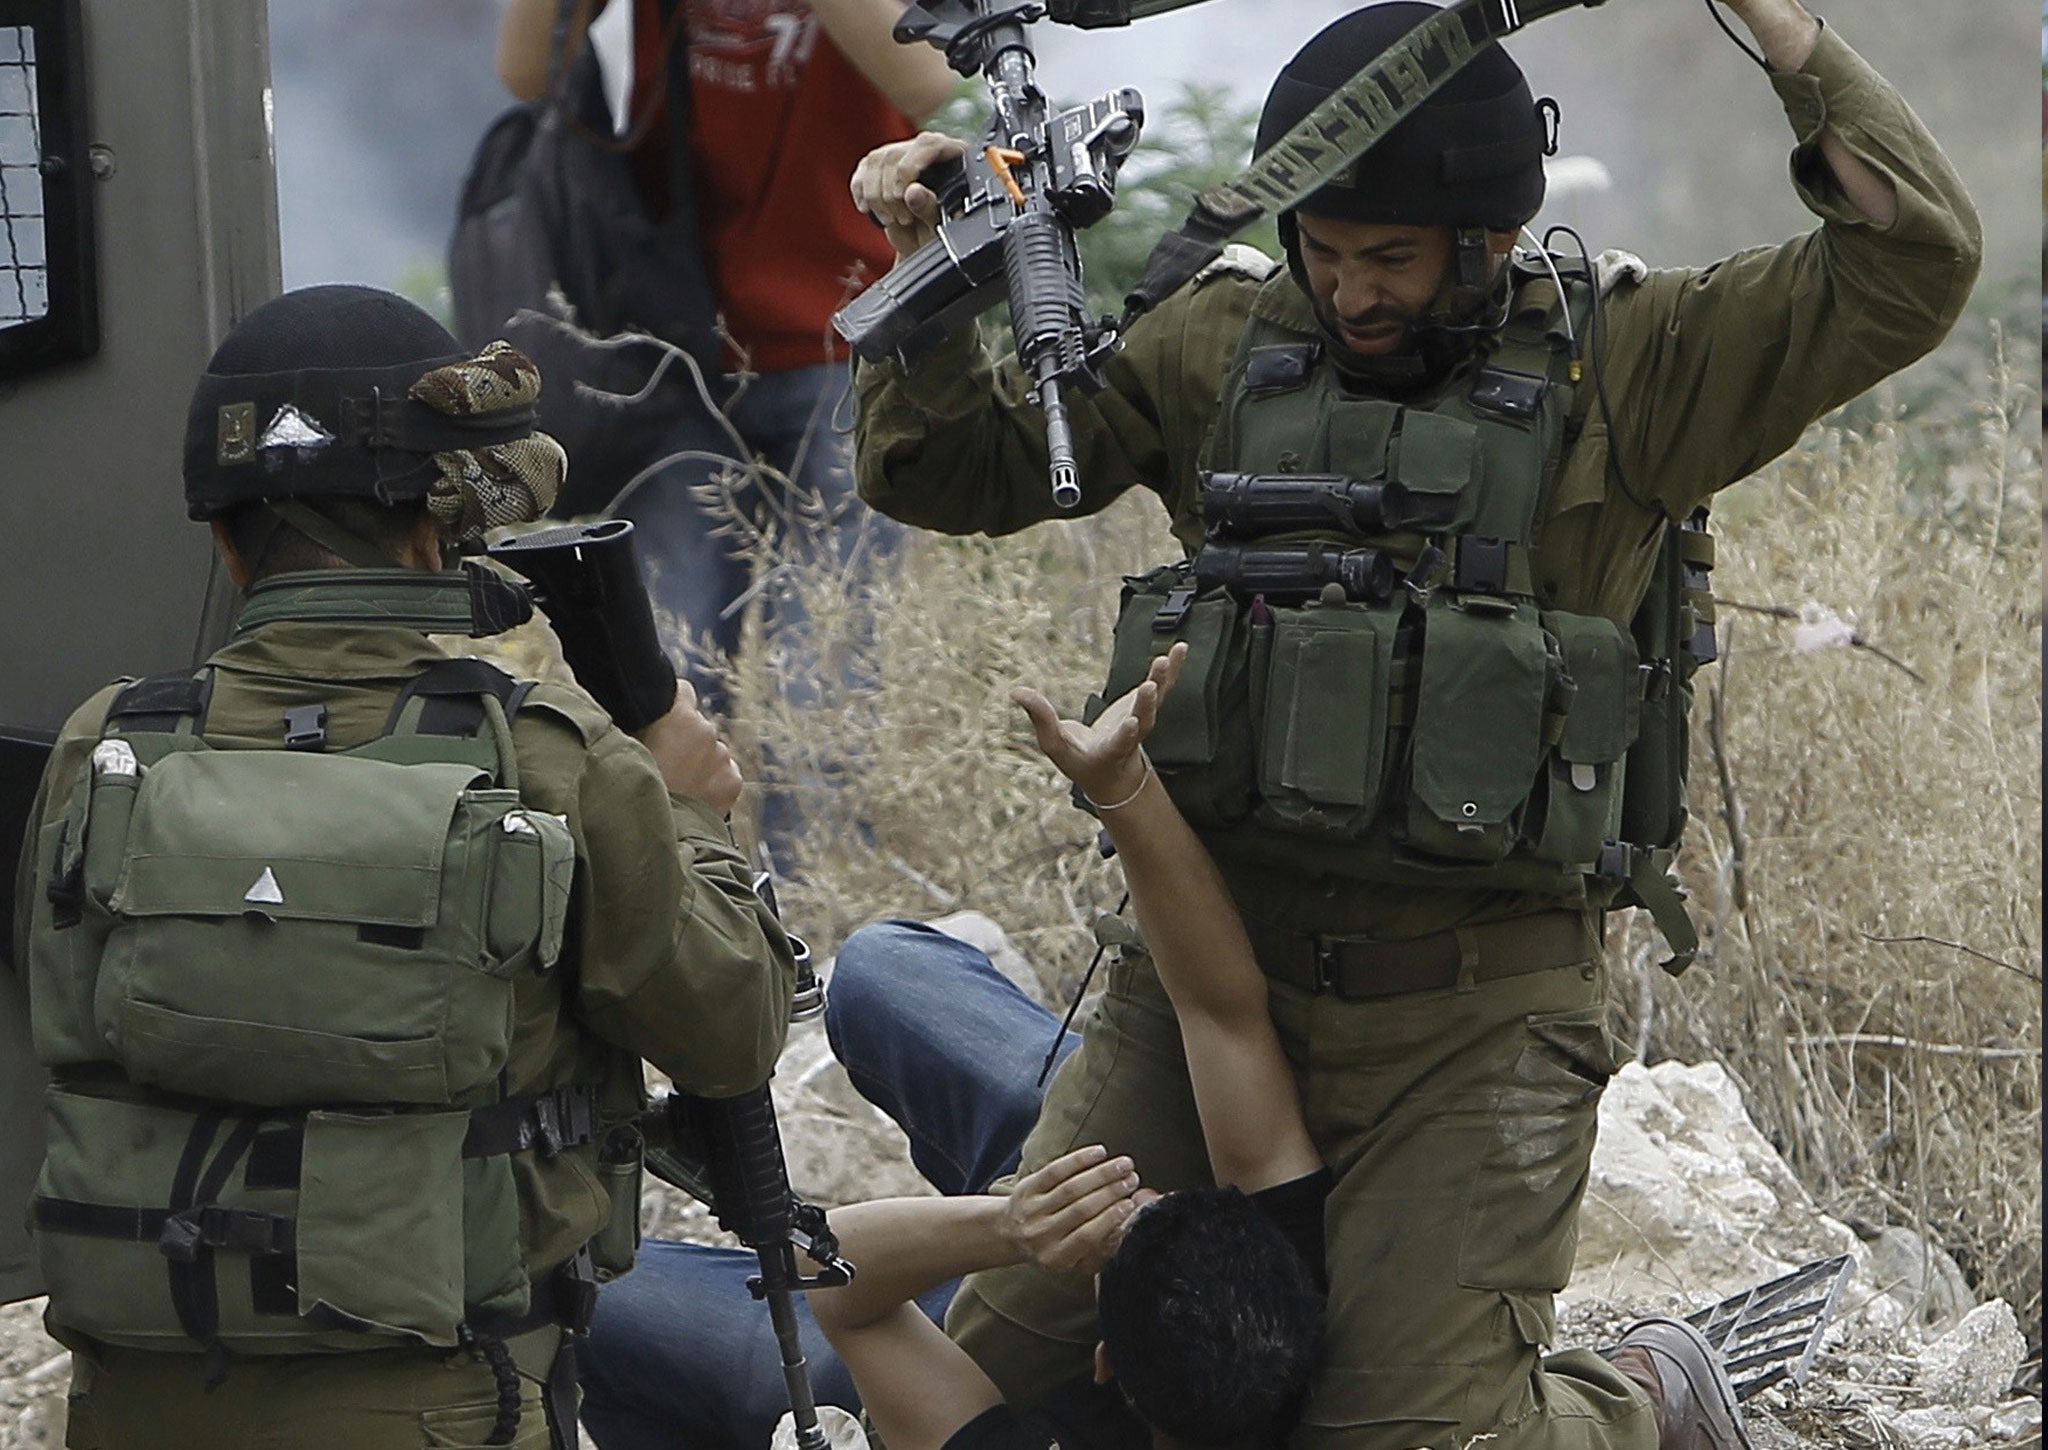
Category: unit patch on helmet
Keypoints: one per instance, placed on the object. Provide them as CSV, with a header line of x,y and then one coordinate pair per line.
x,y
235,438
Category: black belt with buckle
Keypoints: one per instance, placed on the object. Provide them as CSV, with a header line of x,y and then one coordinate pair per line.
x,y
1355,969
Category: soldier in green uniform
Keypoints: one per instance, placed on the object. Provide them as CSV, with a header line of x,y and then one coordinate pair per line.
x,y
344,954
1431,730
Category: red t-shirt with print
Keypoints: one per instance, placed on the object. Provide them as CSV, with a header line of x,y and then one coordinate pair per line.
x,y
779,118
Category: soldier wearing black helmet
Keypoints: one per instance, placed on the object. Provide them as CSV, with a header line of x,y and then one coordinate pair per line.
x,y
344,953
1423,800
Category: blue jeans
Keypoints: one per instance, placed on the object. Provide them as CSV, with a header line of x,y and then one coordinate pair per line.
x,y
789,421
679,1353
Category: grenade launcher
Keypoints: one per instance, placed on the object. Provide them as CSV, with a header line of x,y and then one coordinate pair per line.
x,y
1012,208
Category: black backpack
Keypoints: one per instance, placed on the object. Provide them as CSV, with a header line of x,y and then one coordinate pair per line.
x,y
552,224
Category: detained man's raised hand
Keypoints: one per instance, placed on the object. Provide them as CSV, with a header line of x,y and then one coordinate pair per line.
x,y
1106,759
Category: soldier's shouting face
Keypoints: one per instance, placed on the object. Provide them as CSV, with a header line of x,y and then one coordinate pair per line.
x,y
1371,282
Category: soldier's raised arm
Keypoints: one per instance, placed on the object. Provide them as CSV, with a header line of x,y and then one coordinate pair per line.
x,y
1715,371
951,442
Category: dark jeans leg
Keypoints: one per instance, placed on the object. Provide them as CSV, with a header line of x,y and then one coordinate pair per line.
x,y
933,1035
680,1354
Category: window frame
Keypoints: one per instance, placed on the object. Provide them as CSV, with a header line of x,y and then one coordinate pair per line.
x,y
70,328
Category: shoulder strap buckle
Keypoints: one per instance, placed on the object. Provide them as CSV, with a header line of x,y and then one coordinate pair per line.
x,y
1174,611
1481,565
1509,393
305,728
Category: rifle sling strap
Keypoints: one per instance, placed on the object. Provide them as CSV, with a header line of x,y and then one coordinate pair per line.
x,y
1355,118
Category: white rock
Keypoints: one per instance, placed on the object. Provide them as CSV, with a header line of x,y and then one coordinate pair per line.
x,y
842,1431
1974,1363
1687,1197
1935,1427
2018,1420
979,931
1918,1276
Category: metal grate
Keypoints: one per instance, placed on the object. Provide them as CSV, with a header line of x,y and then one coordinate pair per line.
x,y
1772,1332
24,253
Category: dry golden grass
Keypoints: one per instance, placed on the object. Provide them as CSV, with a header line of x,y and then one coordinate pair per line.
x,y
1865,849
1865,853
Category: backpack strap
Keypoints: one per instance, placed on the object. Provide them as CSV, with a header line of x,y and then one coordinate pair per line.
x,y
463,699
162,705
447,698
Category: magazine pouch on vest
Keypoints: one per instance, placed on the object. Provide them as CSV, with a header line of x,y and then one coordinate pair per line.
x,y
275,990
1438,721
1202,739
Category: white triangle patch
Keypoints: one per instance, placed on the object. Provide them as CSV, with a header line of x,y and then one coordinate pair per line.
x,y
266,891
294,429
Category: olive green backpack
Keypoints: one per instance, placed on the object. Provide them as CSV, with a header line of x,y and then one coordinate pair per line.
x,y
274,989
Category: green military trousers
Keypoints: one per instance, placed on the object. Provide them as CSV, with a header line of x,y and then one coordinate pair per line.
x,y
395,1399
1459,1124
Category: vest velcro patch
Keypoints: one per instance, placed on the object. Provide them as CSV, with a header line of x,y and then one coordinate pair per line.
x,y
1275,369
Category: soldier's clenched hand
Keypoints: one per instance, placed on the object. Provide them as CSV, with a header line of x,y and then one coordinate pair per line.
x,y
886,187
693,760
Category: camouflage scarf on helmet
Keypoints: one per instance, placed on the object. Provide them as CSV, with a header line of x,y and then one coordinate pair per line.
x,y
506,483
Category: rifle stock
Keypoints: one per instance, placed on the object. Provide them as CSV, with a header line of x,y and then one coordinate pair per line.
x,y
586,579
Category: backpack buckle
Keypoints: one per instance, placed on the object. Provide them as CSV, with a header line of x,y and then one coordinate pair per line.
x,y
305,727
182,1237
1616,861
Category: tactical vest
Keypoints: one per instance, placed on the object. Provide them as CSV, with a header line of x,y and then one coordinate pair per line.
x,y
274,988
1400,704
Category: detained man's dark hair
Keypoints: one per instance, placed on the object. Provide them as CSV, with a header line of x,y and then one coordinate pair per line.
x,y
1209,1318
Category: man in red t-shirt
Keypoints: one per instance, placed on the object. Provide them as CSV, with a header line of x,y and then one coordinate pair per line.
x,y
785,97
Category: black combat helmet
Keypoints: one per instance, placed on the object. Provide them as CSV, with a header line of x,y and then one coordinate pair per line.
x,y
1470,156
310,396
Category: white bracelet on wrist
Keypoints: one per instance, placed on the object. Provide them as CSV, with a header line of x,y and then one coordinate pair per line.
x,y
1143,781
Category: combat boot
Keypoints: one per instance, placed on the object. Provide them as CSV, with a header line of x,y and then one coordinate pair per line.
x,y
1686,1383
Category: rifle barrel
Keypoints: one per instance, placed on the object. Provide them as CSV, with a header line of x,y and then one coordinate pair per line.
x,y
1059,442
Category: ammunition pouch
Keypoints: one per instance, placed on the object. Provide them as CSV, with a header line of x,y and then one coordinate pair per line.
x,y
1201,743
1448,739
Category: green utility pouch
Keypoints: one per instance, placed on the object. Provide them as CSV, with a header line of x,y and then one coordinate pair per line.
x,y
1577,805
619,1171
1487,676
1328,718
1674,635
1202,741
158,1225
354,948
1436,459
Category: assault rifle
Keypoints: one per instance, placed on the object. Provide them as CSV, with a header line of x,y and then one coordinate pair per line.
x,y
1011,209
727,1152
